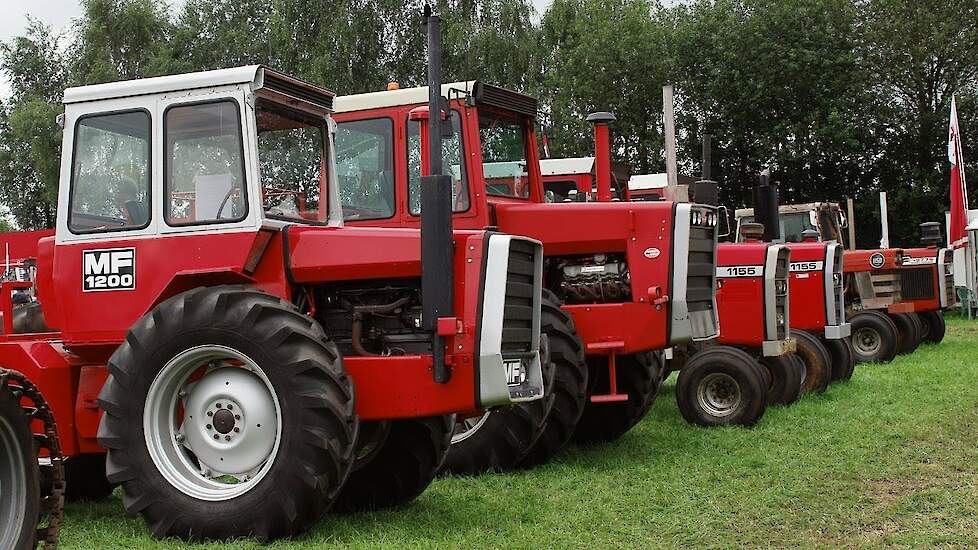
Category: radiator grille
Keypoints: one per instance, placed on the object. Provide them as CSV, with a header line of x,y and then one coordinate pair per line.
x,y
518,309
917,283
781,293
700,277
839,286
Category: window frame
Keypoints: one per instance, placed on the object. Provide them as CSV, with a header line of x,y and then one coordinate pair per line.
x,y
521,123
393,159
244,165
149,171
463,164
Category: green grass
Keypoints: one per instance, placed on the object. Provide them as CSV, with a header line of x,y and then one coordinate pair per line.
x,y
888,459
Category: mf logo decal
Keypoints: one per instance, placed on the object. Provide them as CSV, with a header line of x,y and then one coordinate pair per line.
x,y
877,260
797,267
652,252
919,261
740,271
515,373
109,269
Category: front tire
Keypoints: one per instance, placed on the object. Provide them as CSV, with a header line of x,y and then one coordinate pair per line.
x,y
721,386
843,358
639,376
20,489
909,332
874,337
933,325
786,379
227,414
818,362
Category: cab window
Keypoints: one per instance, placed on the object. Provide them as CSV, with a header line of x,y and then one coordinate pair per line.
x,y
110,178
292,163
452,153
365,168
203,164
504,164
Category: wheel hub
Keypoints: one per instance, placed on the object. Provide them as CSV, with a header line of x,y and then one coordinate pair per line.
x,y
223,421
867,341
719,394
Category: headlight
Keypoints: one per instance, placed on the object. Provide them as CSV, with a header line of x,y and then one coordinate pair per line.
x,y
780,318
780,286
837,279
696,217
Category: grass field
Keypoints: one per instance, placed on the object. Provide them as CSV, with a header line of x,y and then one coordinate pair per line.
x,y
887,459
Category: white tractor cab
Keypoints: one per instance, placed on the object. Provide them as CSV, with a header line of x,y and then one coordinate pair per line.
x,y
573,179
825,219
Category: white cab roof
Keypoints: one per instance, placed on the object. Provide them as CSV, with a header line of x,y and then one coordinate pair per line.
x,y
396,98
648,181
568,166
163,84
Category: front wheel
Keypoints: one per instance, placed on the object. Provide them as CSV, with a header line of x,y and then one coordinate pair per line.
x,y
20,493
874,337
786,379
909,332
721,386
843,358
818,362
227,414
933,326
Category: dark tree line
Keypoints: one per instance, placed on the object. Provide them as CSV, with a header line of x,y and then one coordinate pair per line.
x,y
845,97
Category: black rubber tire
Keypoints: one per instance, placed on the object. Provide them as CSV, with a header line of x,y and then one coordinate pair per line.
x,y
933,325
843,358
318,421
737,366
406,462
786,378
881,327
570,382
818,362
85,478
909,332
639,376
507,434
22,536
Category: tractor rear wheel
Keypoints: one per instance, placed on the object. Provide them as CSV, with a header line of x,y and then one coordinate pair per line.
x,y
396,461
570,382
818,362
20,489
874,337
933,325
639,376
85,478
786,379
909,332
843,358
719,386
227,414
499,438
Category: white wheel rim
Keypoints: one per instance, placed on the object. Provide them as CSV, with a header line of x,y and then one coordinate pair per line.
x,y
467,427
231,428
718,394
13,486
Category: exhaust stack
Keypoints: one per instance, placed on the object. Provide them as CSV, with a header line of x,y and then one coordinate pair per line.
x,y
602,153
436,212
705,191
766,206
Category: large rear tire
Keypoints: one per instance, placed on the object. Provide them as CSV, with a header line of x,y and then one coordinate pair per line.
x,y
227,414
909,332
499,438
818,362
721,386
874,337
20,490
933,325
786,379
843,358
397,465
570,382
639,376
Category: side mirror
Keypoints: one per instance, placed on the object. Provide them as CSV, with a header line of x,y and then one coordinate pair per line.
x,y
723,222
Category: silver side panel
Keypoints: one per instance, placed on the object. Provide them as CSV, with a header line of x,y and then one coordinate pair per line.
x,y
494,389
682,329
838,332
771,296
828,280
941,278
777,348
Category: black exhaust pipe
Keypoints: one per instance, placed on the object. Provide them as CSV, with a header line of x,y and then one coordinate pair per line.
x,y
766,206
705,190
437,274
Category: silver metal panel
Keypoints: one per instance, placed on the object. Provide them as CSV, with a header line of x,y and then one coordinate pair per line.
x,y
838,332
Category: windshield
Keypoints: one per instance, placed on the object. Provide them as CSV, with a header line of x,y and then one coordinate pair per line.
x,y
292,163
504,155
792,224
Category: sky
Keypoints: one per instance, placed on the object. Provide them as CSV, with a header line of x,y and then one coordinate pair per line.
x,y
59,13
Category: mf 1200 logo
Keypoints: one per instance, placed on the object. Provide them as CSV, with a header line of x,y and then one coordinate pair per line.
x,y
109,269
740,271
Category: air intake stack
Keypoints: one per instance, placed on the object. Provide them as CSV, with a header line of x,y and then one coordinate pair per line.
x,y
766,206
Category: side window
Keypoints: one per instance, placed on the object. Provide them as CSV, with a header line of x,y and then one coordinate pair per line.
x,y
365,168
203,165
110,175
452,153
504,163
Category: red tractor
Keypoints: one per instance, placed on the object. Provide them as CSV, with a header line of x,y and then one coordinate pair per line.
x,y
927,281
256,361
622,280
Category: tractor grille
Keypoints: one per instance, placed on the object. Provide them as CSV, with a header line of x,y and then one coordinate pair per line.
x,y
948,277
839,287
700,280
917,283
885,286
781,293
518,308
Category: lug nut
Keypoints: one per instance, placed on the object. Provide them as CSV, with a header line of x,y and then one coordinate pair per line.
x,y
237,417
218,405
216,436
209,427
230,406
227,438
237,429
180,438
210,413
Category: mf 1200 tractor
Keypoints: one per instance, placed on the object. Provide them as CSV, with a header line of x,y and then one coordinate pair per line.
x,y
247,361
885,319
621,280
